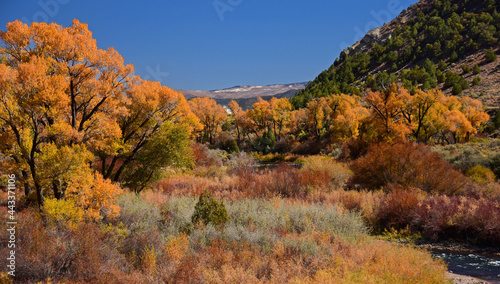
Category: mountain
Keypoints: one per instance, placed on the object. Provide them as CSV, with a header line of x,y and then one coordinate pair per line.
x,y
247,103
243,92
450,45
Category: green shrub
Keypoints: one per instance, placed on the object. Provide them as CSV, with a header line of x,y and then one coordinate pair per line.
x,y
490,55
457,89
209,210
442,66
266,143
233,147
465,69
476,80
476,70
481,174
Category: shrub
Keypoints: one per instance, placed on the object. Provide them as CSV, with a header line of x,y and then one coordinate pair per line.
x,y
139,248
232,147
177,247
138,215
83,254
380,262
242,164
177,214
62,213
324,172
476,70
456,90
203,156
481,174
476,81
396,208
465,156
490,55
459,218
442,66
465,69
407,165
209,210
266,143
285,181
455,80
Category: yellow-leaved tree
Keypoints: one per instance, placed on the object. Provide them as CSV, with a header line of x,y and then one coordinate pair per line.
x,y
211,116
75,117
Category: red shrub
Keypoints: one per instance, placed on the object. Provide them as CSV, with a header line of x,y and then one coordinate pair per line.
x,y
202,157
188,271
459,217
397,208
406,165
284,180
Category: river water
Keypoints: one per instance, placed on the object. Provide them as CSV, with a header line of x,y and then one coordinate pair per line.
x,y
475,265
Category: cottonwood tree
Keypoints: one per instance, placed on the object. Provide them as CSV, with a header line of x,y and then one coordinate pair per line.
x,y
387,112
66,104
425,115
280,113
155,133
211,116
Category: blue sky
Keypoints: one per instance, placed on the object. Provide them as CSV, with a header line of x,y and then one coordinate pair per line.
x,y
214,44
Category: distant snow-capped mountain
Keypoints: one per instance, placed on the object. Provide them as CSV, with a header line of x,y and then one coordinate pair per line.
x,y
243,92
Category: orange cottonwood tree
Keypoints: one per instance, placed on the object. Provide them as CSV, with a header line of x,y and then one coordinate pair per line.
x,y
345,116
30,102
242,123
387,112
236,113
150,106
261,115
210,114
462,119
317,113
420,110
336,117
63,102
67,88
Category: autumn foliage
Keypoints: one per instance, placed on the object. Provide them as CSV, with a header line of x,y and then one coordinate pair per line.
x,y
406,165
80,129
75,116
390,115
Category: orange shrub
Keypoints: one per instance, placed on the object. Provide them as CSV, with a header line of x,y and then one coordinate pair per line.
x,y
177,247
323,172
406,165
83,254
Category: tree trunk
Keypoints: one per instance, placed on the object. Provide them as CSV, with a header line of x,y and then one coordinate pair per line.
x,y
58,191
38,188
27,188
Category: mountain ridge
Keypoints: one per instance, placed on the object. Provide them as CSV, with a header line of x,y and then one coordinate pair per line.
x,y
244,91
425,47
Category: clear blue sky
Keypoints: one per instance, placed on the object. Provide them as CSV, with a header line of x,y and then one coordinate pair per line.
x,y
207,44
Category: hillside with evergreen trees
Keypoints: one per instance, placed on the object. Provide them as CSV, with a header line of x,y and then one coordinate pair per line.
x,y
449,45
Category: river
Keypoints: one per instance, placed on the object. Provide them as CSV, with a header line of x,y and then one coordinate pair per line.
x,y
480,266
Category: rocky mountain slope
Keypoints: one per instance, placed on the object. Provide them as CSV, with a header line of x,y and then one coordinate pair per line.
x,y
446,44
